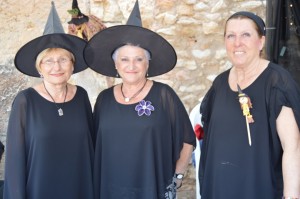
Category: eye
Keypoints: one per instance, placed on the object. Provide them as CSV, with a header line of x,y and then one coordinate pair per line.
x,y
63,60
246,34
230,36
124,59
140,59
48,61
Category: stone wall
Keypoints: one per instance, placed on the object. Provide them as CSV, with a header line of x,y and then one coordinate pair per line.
x,y
193,27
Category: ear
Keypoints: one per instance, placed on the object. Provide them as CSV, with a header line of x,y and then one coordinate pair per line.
x,y
262,42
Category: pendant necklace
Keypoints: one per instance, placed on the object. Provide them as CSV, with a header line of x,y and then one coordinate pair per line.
x,y
127,99
60,111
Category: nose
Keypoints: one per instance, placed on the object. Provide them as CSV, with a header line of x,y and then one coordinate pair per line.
x,y
237,41
131,65
56,65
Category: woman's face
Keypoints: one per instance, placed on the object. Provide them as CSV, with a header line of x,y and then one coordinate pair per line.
x,y
243,44
57,66
132,64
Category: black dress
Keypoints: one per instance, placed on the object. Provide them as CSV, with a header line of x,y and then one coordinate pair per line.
x,y
135,156
49,156
229,167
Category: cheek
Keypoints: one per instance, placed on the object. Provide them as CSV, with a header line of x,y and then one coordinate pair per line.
x,y
70,69
43,70
147,67
228,45
118,66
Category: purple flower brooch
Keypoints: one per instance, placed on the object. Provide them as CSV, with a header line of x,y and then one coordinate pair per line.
x,y
144,107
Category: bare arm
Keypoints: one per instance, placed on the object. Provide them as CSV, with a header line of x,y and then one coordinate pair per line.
x,y
289,135
184,159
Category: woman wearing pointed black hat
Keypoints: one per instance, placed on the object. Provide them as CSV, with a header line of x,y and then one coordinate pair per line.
x,y
49,148
251,120
144,135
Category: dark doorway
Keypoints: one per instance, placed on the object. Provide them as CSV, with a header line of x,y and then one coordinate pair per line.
x,y
283,34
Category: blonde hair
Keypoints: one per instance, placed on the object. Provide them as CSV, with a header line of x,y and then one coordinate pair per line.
x,y
43,53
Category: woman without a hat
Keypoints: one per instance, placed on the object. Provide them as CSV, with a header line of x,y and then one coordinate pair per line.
x,y
251,120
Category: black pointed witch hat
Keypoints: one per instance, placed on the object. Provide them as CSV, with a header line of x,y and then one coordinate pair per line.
x,y
77,17
99,50
135,16
241,93
53,37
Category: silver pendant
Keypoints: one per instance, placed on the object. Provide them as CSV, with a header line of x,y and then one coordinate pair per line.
x,y
126,99
60,112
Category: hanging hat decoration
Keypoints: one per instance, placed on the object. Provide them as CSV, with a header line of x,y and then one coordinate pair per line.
x,y
246,104
100,48
77,17
83,26
53,37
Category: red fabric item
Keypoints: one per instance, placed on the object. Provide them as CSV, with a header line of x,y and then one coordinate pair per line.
x,y
199,131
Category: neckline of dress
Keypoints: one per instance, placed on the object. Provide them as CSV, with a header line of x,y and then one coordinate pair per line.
x,y
68,101
253,83
135,103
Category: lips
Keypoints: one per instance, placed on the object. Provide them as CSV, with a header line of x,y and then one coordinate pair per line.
x,y
239,52
131,72
57,74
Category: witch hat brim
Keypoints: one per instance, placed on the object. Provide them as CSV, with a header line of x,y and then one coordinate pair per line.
x,y
79,20
99,50
54,37
26,57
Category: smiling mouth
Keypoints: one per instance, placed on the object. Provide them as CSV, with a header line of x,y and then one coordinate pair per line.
x,y
57,75
238,52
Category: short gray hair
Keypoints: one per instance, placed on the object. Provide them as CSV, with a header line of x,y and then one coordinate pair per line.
x,y
115,53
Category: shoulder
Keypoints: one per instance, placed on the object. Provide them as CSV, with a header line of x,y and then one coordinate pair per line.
x,y
107,90
278,76
166,93
23,98
221,78
24,94
279,72
80,89
81,93
162,87
104,93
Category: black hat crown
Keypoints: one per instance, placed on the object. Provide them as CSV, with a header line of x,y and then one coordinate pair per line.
x,y
135,16
53,24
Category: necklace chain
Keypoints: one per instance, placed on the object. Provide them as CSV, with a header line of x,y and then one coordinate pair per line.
x,y
127,99
60,111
